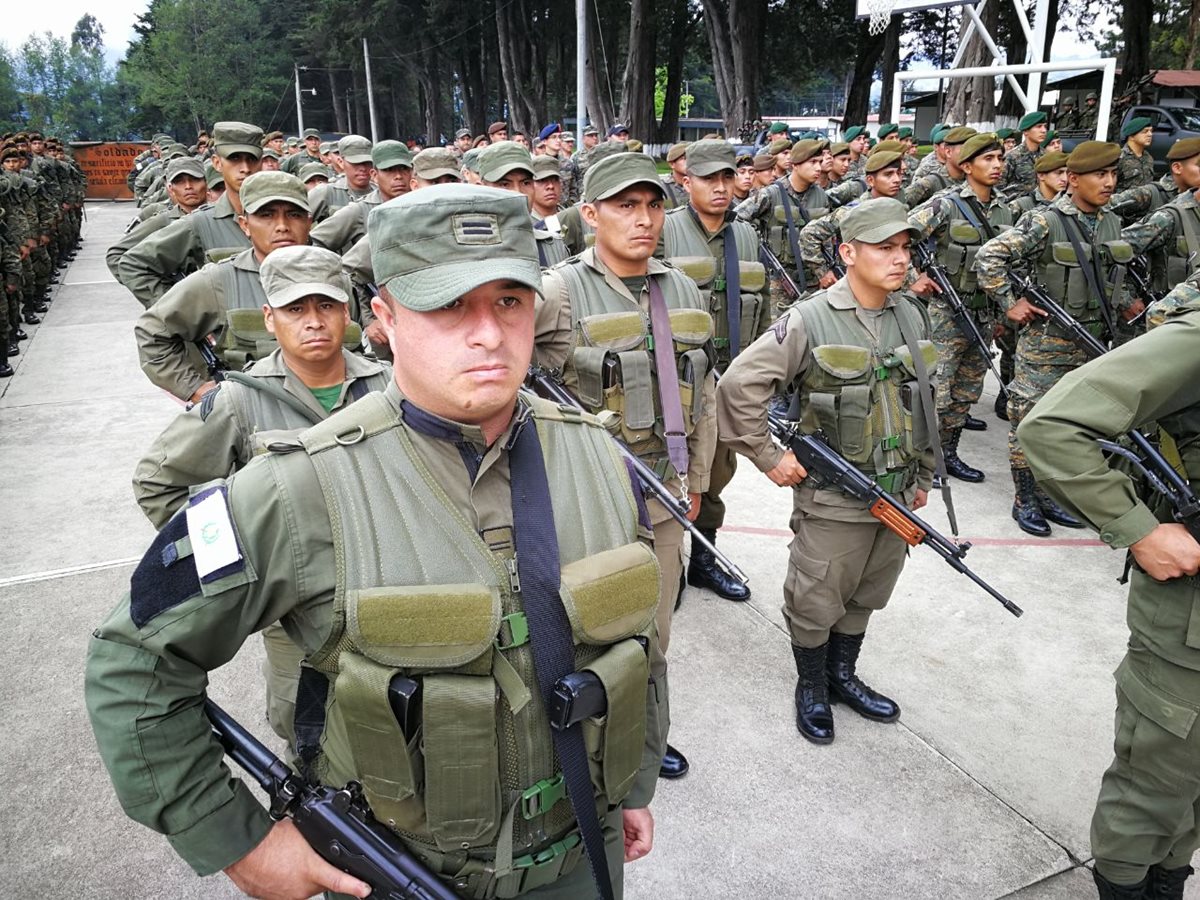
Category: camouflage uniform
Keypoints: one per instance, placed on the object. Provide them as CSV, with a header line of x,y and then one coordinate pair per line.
x,y
848,190
1185,295
820,235
764,209
1133,170
1087,118
858,168
1019,177
925,187
929,165
1172,235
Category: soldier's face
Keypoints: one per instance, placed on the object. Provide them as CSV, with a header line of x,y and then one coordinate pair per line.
x,y
1091,190
277,224
270,164
679,166
744,180
496,136
1145,137
464,143
809,170
12,164
37,147
1037,133
985,168
841,164
886,182
1055,182
465,361
315,182
554,143
627,225
518,180
765,177
547,192
859,144
590,140
236,168
313,144
418,183
1187,172
394,181
309,329
878,267
358,175
710,194
187,191
276,144
521,139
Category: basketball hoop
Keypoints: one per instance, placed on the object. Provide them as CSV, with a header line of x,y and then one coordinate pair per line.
x,y
881,14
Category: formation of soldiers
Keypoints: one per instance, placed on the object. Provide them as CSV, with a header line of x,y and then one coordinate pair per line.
x,y
848,287
41,213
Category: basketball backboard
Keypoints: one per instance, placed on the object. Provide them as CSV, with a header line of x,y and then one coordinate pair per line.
x,y
862,8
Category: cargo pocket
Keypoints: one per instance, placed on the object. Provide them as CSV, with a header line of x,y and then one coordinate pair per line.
x,y
1159,741
845,414
614,372
692,330
615,741
246,337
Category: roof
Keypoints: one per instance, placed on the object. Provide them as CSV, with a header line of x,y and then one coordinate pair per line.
x,y
1178,78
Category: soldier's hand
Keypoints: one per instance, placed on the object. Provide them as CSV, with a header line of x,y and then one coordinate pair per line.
x,y
1138,307
920,499
1169,551
639,832
693,506
788,471
828,280
284,867
925,287
199,393
1023,312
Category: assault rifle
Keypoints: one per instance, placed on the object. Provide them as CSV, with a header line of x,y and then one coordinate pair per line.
x,y
1139,273
338,824
835,265
216,367
773,265
547,385
827,468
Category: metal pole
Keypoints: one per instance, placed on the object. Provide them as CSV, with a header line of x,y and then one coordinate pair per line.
x,y
299,111
581,43
1106,96
371,96
1037,52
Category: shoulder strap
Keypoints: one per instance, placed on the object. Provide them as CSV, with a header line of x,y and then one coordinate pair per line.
x,y
974,214
1090,266
267,387
792,236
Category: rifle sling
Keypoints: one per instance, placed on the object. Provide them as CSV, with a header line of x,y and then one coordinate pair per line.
x,y
262,384
974,213
1090,266
793,239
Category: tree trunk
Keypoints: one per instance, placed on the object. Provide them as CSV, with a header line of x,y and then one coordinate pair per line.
x,y
972,100
679,30
361,120
600,107
637,91
736,38
869,48
339,108
1193,36
1134,58
891,65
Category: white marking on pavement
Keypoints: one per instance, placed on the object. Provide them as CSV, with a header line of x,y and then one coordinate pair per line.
x,y
78,283
50,574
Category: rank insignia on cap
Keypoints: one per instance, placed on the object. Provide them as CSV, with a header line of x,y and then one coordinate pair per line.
x,y
476,229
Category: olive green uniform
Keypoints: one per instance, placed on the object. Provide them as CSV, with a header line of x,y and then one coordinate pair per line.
x,y
779,212
140,230
347,225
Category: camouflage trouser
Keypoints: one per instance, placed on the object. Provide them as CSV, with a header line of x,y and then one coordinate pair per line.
x,y
42,269
1007,342
961,368
1028,386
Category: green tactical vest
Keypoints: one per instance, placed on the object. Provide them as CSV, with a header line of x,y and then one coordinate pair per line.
x,y
816,204
687,249
864,394
611,363
1183,254
217,235
475,789
959,243
1066,282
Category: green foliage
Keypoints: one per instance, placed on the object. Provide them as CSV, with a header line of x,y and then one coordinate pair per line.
x,y
660,95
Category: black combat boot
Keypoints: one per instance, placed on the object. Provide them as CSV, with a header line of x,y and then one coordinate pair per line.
x,y
1001,406
814,717
1026,511
29,318
974,424
14,349
6,371
1055,513
674,764
703,571
1110,891
846,687
1167,884
955,466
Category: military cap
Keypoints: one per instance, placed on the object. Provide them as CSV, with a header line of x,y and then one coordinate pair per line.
x,y
885,129
497,126
837,148
326,147
160,139
546,167
782,145
884,160
10,153
633,145
174,151
1030,119
1091,95
802,151
1049,162
618,128
1091,156
433,163
502,157
262,188
462,133
764,162
777,128
590,130
569,137
1067,101
874,221
312,170
851,133
470,159
978,143
887,147
959,135
293,273
904,132
1004,133
744,159
212,177
552,128
618,172
237,137
36,136
184,165
1184,149
292,142
311,132
822,143
354,149
390,154
1134,125
676,151
271,152
710,157
605,150
1050,136
271,136
430,247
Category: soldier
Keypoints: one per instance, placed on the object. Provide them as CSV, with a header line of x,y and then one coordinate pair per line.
x,y
736,286
1044,353
850,189
497,131
618,134
764,172
934,162
270,160
744,179
1018,165
961,363
1051,143
547,193
460,316
950,175
1051,173
591,137
673,181
311,153
1136,166
1172,231
668,422
552,134
150,268
781,152
519,138
462,142
1008,138
434,165
508,166
1143,831
186,188
355,183
470,165
858,139
1066,119
1088,116
392,164
314,175
275,214
843,563
839,155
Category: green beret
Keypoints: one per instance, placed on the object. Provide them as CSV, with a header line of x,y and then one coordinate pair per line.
x,y
1133,126
777,128
904,132
676,151
938,133
779,146
976,144
1004,133
851,133
887,147
959,135
1050,136
885,129
837,148
803,151
884,160
1048,162
1091,156
1185,148
1037,117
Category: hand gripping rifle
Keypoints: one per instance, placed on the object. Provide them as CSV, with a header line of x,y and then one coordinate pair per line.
x,y
773,265
548,386
827,468
337,823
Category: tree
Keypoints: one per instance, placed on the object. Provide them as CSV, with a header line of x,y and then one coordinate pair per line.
x,y
973,99
736,38
869,49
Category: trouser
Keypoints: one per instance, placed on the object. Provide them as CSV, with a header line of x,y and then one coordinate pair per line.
x,y
838,574
668,548
1007,342
282,673
1030,383
961,368
42,269
712,507
1148,811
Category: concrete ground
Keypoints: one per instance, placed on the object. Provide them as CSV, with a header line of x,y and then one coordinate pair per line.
x,y
983,789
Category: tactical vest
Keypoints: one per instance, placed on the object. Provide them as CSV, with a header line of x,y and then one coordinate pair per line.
x,y
864,394
472,784
217,235
1064,278
688,251
959,243
777,233
1182,254
611,363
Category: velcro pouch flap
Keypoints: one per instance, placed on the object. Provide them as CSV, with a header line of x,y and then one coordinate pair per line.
x,y
614,331
928,351
612,594
691,326
217,254
1064,254
965,233
780,215
843,361
1181,246
753,276
1173,713
438,626
1118,252
248,326
624,671
701,269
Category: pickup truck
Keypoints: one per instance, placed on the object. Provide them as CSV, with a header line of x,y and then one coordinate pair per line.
x,y
1170,123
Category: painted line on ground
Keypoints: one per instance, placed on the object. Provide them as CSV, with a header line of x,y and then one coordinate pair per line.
x,y
81,283
975,541
51,574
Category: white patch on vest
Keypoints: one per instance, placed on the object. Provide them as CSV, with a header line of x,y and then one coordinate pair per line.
x,y
476,228
214,545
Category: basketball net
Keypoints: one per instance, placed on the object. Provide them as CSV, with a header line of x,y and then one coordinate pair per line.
x,y
881,14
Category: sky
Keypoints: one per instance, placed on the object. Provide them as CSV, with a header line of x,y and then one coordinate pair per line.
x,y
59,17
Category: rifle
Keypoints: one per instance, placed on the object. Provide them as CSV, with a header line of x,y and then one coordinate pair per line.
x,y
835,265
216,366
1139,273
338,824
773,264
927,262
547,385
827,468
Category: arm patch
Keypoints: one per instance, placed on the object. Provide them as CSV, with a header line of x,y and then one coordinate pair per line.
x,y
164,578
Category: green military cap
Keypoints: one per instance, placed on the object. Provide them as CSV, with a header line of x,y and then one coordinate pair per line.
x,y
212,177
311,132
262,188
325,147
498,159
1134,125
1091,95
904,132
1067,101
184,165
1004,133
237,137
777,128
546,167
1030,119
851,133
271,136
161,139
874,221
780,146
676,151
293,273
764,162
1184,149
605,150
617,172
878,161
1049,162
433,163
959,135
802,151
292,142
633,145
354,149
312,170
174,151
837,148
885,129
938,133
271,152
822,143
976,144
470,159
887,147
1091,156
429,247
591,130
462,133
390,154
1050,135
710,157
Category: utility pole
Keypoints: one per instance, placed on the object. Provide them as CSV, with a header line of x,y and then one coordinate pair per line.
x,y
299,110
581,43
370,94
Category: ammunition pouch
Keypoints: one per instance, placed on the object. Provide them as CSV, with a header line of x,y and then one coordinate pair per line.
x,y
245,338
